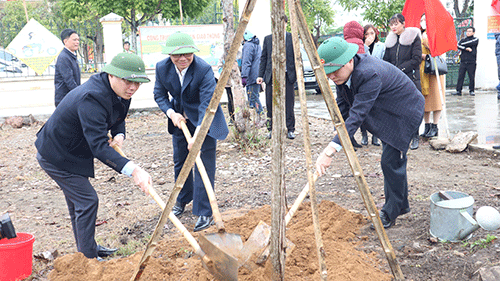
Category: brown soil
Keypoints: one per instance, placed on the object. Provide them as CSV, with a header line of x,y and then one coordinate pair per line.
x,y
127,217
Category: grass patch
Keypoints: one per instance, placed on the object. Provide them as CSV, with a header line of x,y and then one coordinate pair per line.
x,y
480,243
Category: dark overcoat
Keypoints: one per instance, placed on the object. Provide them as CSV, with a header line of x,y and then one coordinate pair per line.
x,y
76,132
382,97
266,66
192,98
66,76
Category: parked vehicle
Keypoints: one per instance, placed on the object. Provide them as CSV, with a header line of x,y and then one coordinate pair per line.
x,y
309,77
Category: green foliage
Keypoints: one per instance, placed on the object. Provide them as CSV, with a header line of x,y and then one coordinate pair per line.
x,y
132,246
250,139
480,243
376,12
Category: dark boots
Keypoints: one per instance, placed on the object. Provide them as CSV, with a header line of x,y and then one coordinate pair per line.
x,y
426,130
433,132
375,141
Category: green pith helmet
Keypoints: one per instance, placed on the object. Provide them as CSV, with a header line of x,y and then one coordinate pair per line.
x,y
179,43
335,52
127,66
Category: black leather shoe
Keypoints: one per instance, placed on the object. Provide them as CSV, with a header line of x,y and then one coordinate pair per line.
x,y
355,143
414,143
386,222
472,93
178,208
456,94
203,222
105,252
375,141
290,135
364,138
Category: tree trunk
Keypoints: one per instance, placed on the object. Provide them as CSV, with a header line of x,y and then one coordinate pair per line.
x,y
133,30
277,243
98,49
241,113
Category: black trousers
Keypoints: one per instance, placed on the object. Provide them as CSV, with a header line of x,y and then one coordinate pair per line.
x,y
471,71
194,189
230,102
289,104
82,202
393,164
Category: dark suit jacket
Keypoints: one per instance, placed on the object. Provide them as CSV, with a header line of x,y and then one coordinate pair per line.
x,y
77,130
382,97
266,67
194,97
67,75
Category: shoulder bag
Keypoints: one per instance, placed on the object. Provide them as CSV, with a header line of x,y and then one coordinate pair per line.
x,y
430,65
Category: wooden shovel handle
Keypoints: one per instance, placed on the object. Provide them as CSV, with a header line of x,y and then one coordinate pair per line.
x,y
116,147
173,218
299,200
180,226
208,185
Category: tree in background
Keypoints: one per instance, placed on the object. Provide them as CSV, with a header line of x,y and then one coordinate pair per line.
x,y
465,8
319,16
376,12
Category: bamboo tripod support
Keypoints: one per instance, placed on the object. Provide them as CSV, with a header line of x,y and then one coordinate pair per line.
x,y
205,126
307,143
346,142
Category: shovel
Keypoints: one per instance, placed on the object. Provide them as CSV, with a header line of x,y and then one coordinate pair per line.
x,y
221,265
228,242
258,241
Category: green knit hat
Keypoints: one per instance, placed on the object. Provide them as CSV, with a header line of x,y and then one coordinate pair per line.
x,y
127,66
335,52
179,43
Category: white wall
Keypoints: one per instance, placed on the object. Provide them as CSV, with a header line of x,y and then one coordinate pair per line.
x,y
486,71
112,34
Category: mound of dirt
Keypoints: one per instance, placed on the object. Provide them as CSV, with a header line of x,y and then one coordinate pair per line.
x,y
173,260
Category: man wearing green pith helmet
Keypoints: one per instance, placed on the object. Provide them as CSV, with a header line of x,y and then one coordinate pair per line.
x,y
77,132
184,86
378,94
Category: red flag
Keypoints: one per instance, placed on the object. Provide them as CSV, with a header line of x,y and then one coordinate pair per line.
x,y
496,5
440,27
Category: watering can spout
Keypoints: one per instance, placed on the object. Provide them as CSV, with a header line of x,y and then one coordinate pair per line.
x,y
473,225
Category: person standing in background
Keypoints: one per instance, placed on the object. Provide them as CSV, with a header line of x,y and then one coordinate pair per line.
x,y
126,48
265,75
468,56
250,61
497,54
67,73
430,89
404,50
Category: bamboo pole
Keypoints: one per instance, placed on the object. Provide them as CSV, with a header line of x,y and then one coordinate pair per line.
x,y
195,149
346,142
278,211
320,250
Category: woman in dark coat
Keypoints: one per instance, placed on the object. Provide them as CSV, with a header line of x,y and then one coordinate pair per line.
x,y
404,50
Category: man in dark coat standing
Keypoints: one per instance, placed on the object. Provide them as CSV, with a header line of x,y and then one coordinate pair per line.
x,y
183,89
77,132
468,56
378,94
265,75
67,74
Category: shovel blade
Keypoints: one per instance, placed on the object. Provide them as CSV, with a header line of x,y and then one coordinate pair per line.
x,y
256,242
223,266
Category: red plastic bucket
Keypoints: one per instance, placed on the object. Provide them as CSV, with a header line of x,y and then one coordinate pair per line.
x,y
16,257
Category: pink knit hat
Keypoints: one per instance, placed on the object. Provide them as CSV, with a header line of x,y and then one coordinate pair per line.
x,y
354,33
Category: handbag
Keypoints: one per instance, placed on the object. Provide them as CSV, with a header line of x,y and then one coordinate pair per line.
x,y
429,66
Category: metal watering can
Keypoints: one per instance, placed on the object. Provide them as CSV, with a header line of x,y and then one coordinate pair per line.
x,y
451,216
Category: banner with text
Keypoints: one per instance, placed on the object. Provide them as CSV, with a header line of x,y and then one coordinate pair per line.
x,y
208,38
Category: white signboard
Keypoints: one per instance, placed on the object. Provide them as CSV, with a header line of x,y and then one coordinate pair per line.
x,y
36,46
208,38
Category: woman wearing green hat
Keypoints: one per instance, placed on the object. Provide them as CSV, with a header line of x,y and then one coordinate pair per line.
x,y
378,94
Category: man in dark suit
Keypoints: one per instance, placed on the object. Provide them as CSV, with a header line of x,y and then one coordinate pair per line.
x,y
190,82
67,74
377,93
77,132
265,75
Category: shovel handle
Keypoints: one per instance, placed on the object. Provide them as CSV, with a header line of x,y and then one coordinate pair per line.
x,y
299,200
116,147
208,185
178,224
